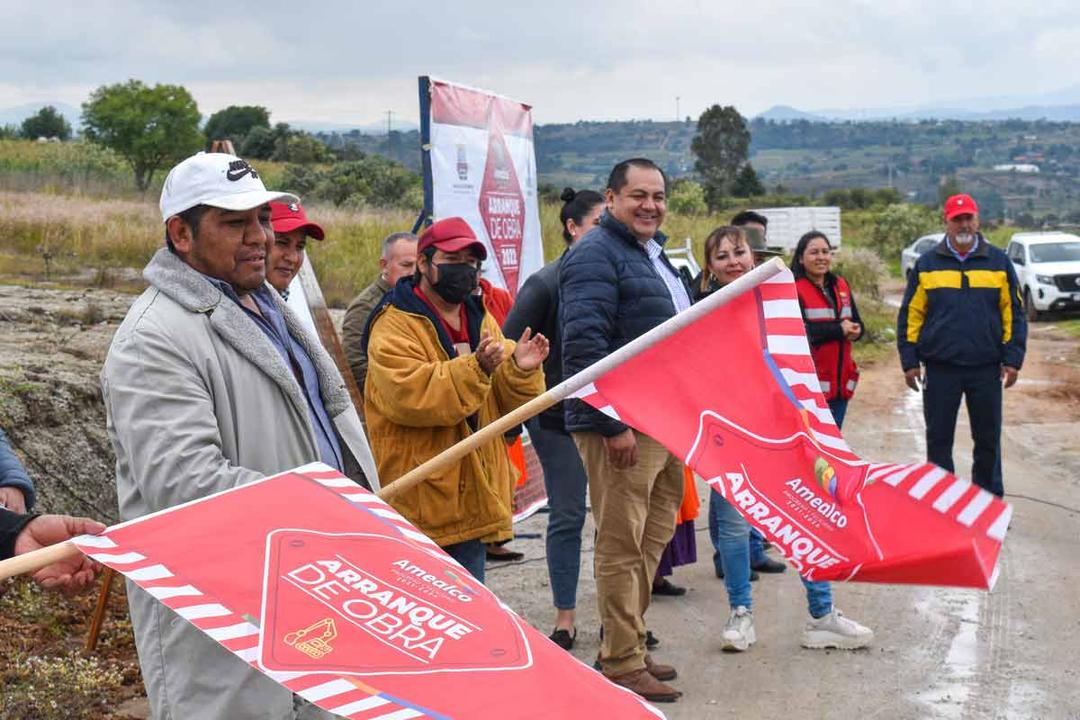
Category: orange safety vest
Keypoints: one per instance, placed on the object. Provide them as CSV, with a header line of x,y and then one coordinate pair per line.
x,y
836,369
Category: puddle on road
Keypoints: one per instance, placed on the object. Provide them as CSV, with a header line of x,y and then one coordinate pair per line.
x,y
912,409
1039,381
949,696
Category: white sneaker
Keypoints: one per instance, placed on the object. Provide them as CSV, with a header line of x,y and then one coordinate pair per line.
x,y
739,632
835,631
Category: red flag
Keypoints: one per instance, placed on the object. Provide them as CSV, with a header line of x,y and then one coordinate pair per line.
x,y
736,396
329,591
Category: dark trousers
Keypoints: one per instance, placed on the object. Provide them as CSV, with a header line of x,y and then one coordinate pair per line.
x,y
470,554
566,485
981,388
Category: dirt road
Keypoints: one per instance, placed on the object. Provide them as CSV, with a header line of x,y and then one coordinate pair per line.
x,y
937,653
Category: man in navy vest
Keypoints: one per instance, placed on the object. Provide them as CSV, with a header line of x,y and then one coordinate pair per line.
x,y
616,284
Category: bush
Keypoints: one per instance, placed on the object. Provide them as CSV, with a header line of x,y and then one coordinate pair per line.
x,y
898,225
863,269
687,198
371,182
298,179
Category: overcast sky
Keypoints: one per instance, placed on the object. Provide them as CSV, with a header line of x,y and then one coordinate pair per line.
x,y
350,62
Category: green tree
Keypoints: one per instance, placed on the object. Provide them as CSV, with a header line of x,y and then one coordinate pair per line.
x,y
302,148
372,181
898,225
722,145
687,198
746,183
46,122
259,144
235,122
150,127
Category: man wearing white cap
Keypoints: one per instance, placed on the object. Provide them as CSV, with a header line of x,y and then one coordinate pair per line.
x,y
211,382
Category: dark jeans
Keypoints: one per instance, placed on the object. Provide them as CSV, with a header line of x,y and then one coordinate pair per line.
x,y
566,484
471,554
980,387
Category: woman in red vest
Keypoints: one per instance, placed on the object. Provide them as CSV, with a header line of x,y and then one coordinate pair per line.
x,y
831,318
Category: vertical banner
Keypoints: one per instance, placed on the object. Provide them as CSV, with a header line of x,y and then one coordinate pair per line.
x,y
480,164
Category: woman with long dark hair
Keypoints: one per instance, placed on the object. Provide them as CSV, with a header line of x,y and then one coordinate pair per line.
x,y
537,307
831,318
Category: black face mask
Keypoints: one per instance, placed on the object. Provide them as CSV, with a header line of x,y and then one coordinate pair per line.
x,y
456,282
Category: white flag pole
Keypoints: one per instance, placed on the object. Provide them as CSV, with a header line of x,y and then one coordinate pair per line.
x,y
568,387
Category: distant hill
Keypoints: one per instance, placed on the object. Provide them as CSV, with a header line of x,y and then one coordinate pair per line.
x,y
786,113
812,157
378,128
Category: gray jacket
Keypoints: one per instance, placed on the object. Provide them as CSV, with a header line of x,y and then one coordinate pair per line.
x,y
199,401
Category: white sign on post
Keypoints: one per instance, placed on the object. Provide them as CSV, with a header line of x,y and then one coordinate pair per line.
x,y
483,169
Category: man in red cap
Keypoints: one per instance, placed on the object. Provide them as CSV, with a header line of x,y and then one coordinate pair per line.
x,y
963,320
439,369
285,253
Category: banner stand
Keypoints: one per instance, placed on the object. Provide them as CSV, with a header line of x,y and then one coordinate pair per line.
x,y
425,152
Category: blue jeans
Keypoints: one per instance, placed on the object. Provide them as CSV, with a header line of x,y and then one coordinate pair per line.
x,y
732,543
565,482
838,407
472,554
756,539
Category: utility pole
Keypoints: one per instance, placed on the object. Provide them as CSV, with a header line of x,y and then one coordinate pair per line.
x,y
389,115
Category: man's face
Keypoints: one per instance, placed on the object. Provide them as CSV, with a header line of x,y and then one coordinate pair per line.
x,y
961,225
430,271
641,204
400,261
229,245
284,256
757,228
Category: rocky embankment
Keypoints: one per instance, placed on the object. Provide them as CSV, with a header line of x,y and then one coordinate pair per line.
x,y
52,345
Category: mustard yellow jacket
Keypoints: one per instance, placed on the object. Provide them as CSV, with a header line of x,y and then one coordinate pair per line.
x,y
421,397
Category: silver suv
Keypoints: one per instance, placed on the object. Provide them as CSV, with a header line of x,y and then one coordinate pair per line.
x,y
1048,268
912,252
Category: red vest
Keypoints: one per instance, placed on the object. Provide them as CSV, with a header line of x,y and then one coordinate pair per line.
x,y
836,369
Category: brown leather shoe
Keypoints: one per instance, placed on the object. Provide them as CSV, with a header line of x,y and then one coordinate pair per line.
x,y
645,685
658,671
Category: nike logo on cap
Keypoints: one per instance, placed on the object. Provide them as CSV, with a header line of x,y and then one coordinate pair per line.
x,y
238,169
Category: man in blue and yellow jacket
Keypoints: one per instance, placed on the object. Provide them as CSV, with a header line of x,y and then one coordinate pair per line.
x,y
962,318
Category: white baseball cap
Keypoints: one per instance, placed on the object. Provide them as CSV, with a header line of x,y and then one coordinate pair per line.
x,y
216,179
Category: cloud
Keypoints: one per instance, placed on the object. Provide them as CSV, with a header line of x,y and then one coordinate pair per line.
x,y
350,62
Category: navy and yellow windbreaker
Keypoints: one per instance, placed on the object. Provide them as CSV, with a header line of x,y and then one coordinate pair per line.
x,y
962,313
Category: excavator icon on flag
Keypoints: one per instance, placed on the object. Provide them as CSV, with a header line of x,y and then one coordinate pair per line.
x,y
318,645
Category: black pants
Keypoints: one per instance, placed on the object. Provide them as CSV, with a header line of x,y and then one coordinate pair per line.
x,y
981,389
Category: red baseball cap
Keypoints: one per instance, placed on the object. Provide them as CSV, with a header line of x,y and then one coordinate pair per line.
x,y
960,205
286,217
451,235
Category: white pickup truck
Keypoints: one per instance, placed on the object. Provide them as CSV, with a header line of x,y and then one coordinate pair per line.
x,y
1048,268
